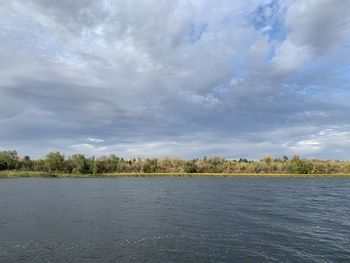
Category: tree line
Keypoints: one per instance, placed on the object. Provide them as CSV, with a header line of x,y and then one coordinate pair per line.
x,y
79,164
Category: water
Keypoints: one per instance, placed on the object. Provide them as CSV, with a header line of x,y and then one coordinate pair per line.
x,y
175,220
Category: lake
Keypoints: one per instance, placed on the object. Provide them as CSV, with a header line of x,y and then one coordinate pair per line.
x,y
171,219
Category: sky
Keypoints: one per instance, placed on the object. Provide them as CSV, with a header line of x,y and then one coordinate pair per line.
x,y
183,78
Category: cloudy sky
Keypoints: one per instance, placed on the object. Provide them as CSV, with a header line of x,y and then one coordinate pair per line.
x,y
189,78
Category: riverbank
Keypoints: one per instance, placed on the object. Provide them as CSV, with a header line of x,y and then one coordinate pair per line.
x,y
18,174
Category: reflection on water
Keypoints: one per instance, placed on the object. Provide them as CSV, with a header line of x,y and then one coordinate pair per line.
x,y
175,220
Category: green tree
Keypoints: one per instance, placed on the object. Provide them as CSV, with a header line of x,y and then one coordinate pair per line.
x,y
93,166
54,162
80,164
27,164
8,160
39,165
113,163
150,166
190,167
299,166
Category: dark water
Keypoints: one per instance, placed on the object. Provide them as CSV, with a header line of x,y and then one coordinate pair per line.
x,y
175,220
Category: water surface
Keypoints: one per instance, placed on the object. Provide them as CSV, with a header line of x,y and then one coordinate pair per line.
x,y
175,220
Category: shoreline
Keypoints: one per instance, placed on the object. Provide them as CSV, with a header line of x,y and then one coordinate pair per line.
x,y
24,174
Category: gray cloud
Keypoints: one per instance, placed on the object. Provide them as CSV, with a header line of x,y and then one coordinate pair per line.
x,y
184,78
319,24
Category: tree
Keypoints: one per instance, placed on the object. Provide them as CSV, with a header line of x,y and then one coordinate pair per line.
x,y
54,162
39,165
299,166
190,167
93,165
27,164
215,164
113,163
8,160
80,165
267,159
150,166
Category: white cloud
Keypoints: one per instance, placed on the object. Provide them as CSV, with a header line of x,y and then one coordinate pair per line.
x,y
89,149
143,75
289,58
95,140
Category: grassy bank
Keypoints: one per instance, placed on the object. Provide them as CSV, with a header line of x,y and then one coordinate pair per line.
x,y
18,174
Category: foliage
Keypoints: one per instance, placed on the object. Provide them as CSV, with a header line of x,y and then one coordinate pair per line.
x,y
80,164
8,160
299,166
57,163
190,167
54,162
150,166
